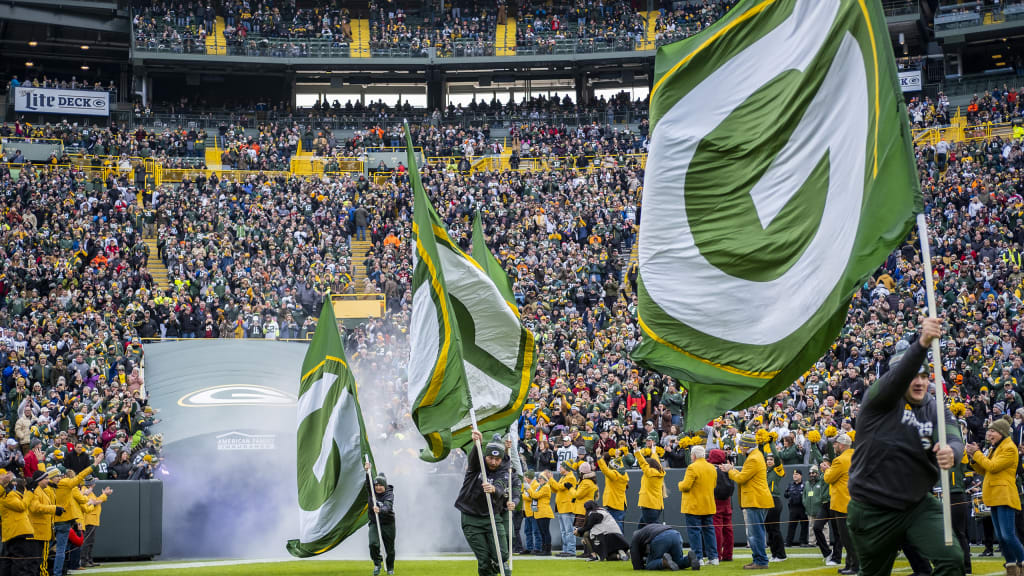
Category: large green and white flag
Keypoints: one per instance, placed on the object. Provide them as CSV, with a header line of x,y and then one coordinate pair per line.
x,y
780,175
332,444
468,346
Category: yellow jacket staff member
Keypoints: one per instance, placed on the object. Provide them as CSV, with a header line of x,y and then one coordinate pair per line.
x,y
92,518
16,527
67,487
540,492
41,510
565,491
837,476
615,484
755,498
698,485
586,490
999,488
652,486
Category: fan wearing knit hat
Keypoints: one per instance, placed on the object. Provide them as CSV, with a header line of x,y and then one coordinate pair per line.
x,y
382,509
897,462
999,465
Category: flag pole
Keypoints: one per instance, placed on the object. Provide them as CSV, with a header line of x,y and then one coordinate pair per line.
x,y
940,400
373,496
510,526
490,506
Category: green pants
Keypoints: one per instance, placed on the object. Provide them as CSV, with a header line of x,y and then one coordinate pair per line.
x,y
477,530
880,533
387,530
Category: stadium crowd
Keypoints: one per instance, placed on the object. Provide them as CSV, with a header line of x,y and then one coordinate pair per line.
x,y
252,256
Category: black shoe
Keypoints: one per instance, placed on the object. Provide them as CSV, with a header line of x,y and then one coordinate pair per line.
x,y
847,571
987,552
694,561
668,562
593,559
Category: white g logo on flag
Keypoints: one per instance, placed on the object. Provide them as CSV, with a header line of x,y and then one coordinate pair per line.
x,y
676,275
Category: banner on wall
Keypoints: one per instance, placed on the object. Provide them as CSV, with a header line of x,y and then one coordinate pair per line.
x,y
61,101
910,81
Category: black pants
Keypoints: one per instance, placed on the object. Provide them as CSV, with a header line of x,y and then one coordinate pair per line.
x,y
608,546
24,556
90,540
773,529
843,541
819,533
544,527
988,533
387,530
796,535
517,526
960,507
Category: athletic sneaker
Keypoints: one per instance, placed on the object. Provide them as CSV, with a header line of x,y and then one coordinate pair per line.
x,y
714,561
666,560
777,559
830,562
623,555
376,571
391,573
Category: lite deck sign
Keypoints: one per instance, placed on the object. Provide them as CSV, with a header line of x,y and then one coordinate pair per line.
x,y
60,101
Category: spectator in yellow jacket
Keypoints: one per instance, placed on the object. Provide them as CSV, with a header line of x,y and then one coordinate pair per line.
x,y
615,483
17,530
72,515
999,488
586,491
755,498
565,490
837,476
92,519
698,504
41,500
540,491
652,487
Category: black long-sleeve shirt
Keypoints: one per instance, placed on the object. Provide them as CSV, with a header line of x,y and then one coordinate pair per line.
x,y
385,503
893,463
471,495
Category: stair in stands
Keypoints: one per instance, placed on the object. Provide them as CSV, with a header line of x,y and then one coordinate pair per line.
x,y
650,30
213,157
505,39
358,249
156,266
360,46
216,44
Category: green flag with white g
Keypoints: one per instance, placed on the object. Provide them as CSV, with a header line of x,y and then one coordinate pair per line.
x,y
332,444
780,175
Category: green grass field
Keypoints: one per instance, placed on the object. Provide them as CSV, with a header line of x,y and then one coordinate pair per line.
x,y
466,567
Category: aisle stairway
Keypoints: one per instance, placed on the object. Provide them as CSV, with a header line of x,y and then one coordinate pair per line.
x,y
360,47
358,250
156,266
213,157
650,30
505,39
216,44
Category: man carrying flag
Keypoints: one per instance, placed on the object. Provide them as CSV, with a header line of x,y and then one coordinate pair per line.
x,y
477,486
383,502
804,95
897,431
331,448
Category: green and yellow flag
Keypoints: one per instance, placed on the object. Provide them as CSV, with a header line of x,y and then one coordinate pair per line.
x,y
468,347
332,445
780,175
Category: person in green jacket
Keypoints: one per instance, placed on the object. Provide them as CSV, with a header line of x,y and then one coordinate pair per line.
x,y
816,506
674,401
772,522
791,454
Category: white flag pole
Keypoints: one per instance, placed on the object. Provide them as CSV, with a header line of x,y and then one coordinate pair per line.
x,y
490,507
940,400
373,495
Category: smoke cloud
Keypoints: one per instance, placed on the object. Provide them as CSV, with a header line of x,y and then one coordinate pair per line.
x,y
244,504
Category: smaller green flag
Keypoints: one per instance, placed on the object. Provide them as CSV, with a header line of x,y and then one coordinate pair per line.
x,y
332,445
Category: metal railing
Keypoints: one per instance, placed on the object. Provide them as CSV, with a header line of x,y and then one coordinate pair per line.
x,y
347,120
901,7
975,16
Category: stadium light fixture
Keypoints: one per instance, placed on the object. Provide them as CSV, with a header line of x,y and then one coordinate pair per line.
x,y
85,66
85,46
33,43
29,64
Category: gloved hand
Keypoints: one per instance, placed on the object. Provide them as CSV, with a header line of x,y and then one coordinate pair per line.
x,y
60,511
568,485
